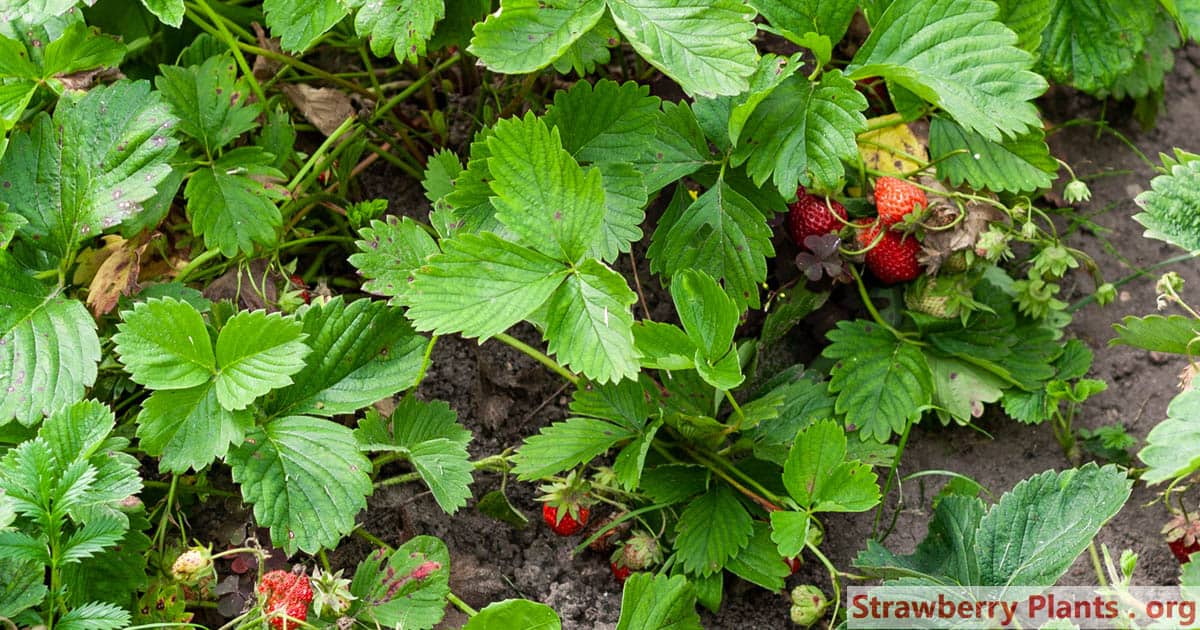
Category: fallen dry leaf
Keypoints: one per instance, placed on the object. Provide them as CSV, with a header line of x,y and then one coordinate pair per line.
x,y
325,108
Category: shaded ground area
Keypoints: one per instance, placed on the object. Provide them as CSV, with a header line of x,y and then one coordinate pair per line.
x,y
503,396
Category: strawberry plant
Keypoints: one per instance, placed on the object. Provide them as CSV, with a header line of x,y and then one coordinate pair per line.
x,y
203,299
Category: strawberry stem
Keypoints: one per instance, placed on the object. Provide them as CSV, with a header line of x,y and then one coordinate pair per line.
x,y
538,356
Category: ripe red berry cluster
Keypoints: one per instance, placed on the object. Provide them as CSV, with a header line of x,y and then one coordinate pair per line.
x,y
894,258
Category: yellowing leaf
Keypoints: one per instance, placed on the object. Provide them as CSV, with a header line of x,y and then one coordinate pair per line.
x,y
891,148
110,271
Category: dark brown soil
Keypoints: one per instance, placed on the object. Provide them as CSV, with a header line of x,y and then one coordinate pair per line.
x,y
503,396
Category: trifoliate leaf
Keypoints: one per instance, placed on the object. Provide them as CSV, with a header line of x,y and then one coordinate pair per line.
x,y
89,168
1026,18
589,325
1021,164
1173,333
759,562
515,613
390,252
48,347
306,480
397,26
1035,532
711,530
1169,210
1173,446
954,55
232,203
605,123
801,133
480,286
656,601
721,233
169,12
256,353
818,476
542,193
189,428
429,436
704,45
526,35
300,23
406,588
211,104
1089,43
882,383
164,344
679,148
566,444
361,353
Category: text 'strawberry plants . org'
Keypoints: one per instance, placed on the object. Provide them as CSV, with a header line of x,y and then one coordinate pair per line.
x,y
202,300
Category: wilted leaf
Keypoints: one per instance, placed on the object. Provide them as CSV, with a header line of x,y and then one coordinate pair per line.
x,y
325,108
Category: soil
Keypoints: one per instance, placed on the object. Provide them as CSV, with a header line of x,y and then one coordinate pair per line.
x,y
503,396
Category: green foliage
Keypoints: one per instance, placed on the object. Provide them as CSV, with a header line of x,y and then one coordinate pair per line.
x,y
711,530
952,54
1013,165
820,479
405,587
1172,333
653,602
1169,208
515,613
210,101
399,26
1090,43
1170,451
503,40
1029,538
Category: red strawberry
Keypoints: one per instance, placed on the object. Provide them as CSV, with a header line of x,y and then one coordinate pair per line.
x,y
809,216
793,564
619,571
288,594
1183,537
894,257
895,198
564,524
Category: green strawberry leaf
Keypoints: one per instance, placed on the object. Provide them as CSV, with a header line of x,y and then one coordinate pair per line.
x,y
406,588
1033,535
527,35
795,19
189,428
946,555
789,531
772,71
399,26
1169,208
951,53
566,444
704,45
663,346
712,529
256,353
1153,64
801,133
1171,450
759,562
542,194
679,148
805,401
48,347
362,352
169,12
589,325
94,616
514,613
390,252
1173,333
820,479
430,438
305,478
1089,43
721,233
658,602
882,383
605,123
1021,164
232,203
629,403
480,286
590,50
960,390
708,315
164,344
1026,18
89,168
300,23
211,103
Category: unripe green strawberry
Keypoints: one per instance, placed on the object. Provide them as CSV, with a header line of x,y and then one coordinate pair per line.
x,y
193,566
808,605
895,198
640,551
924,296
